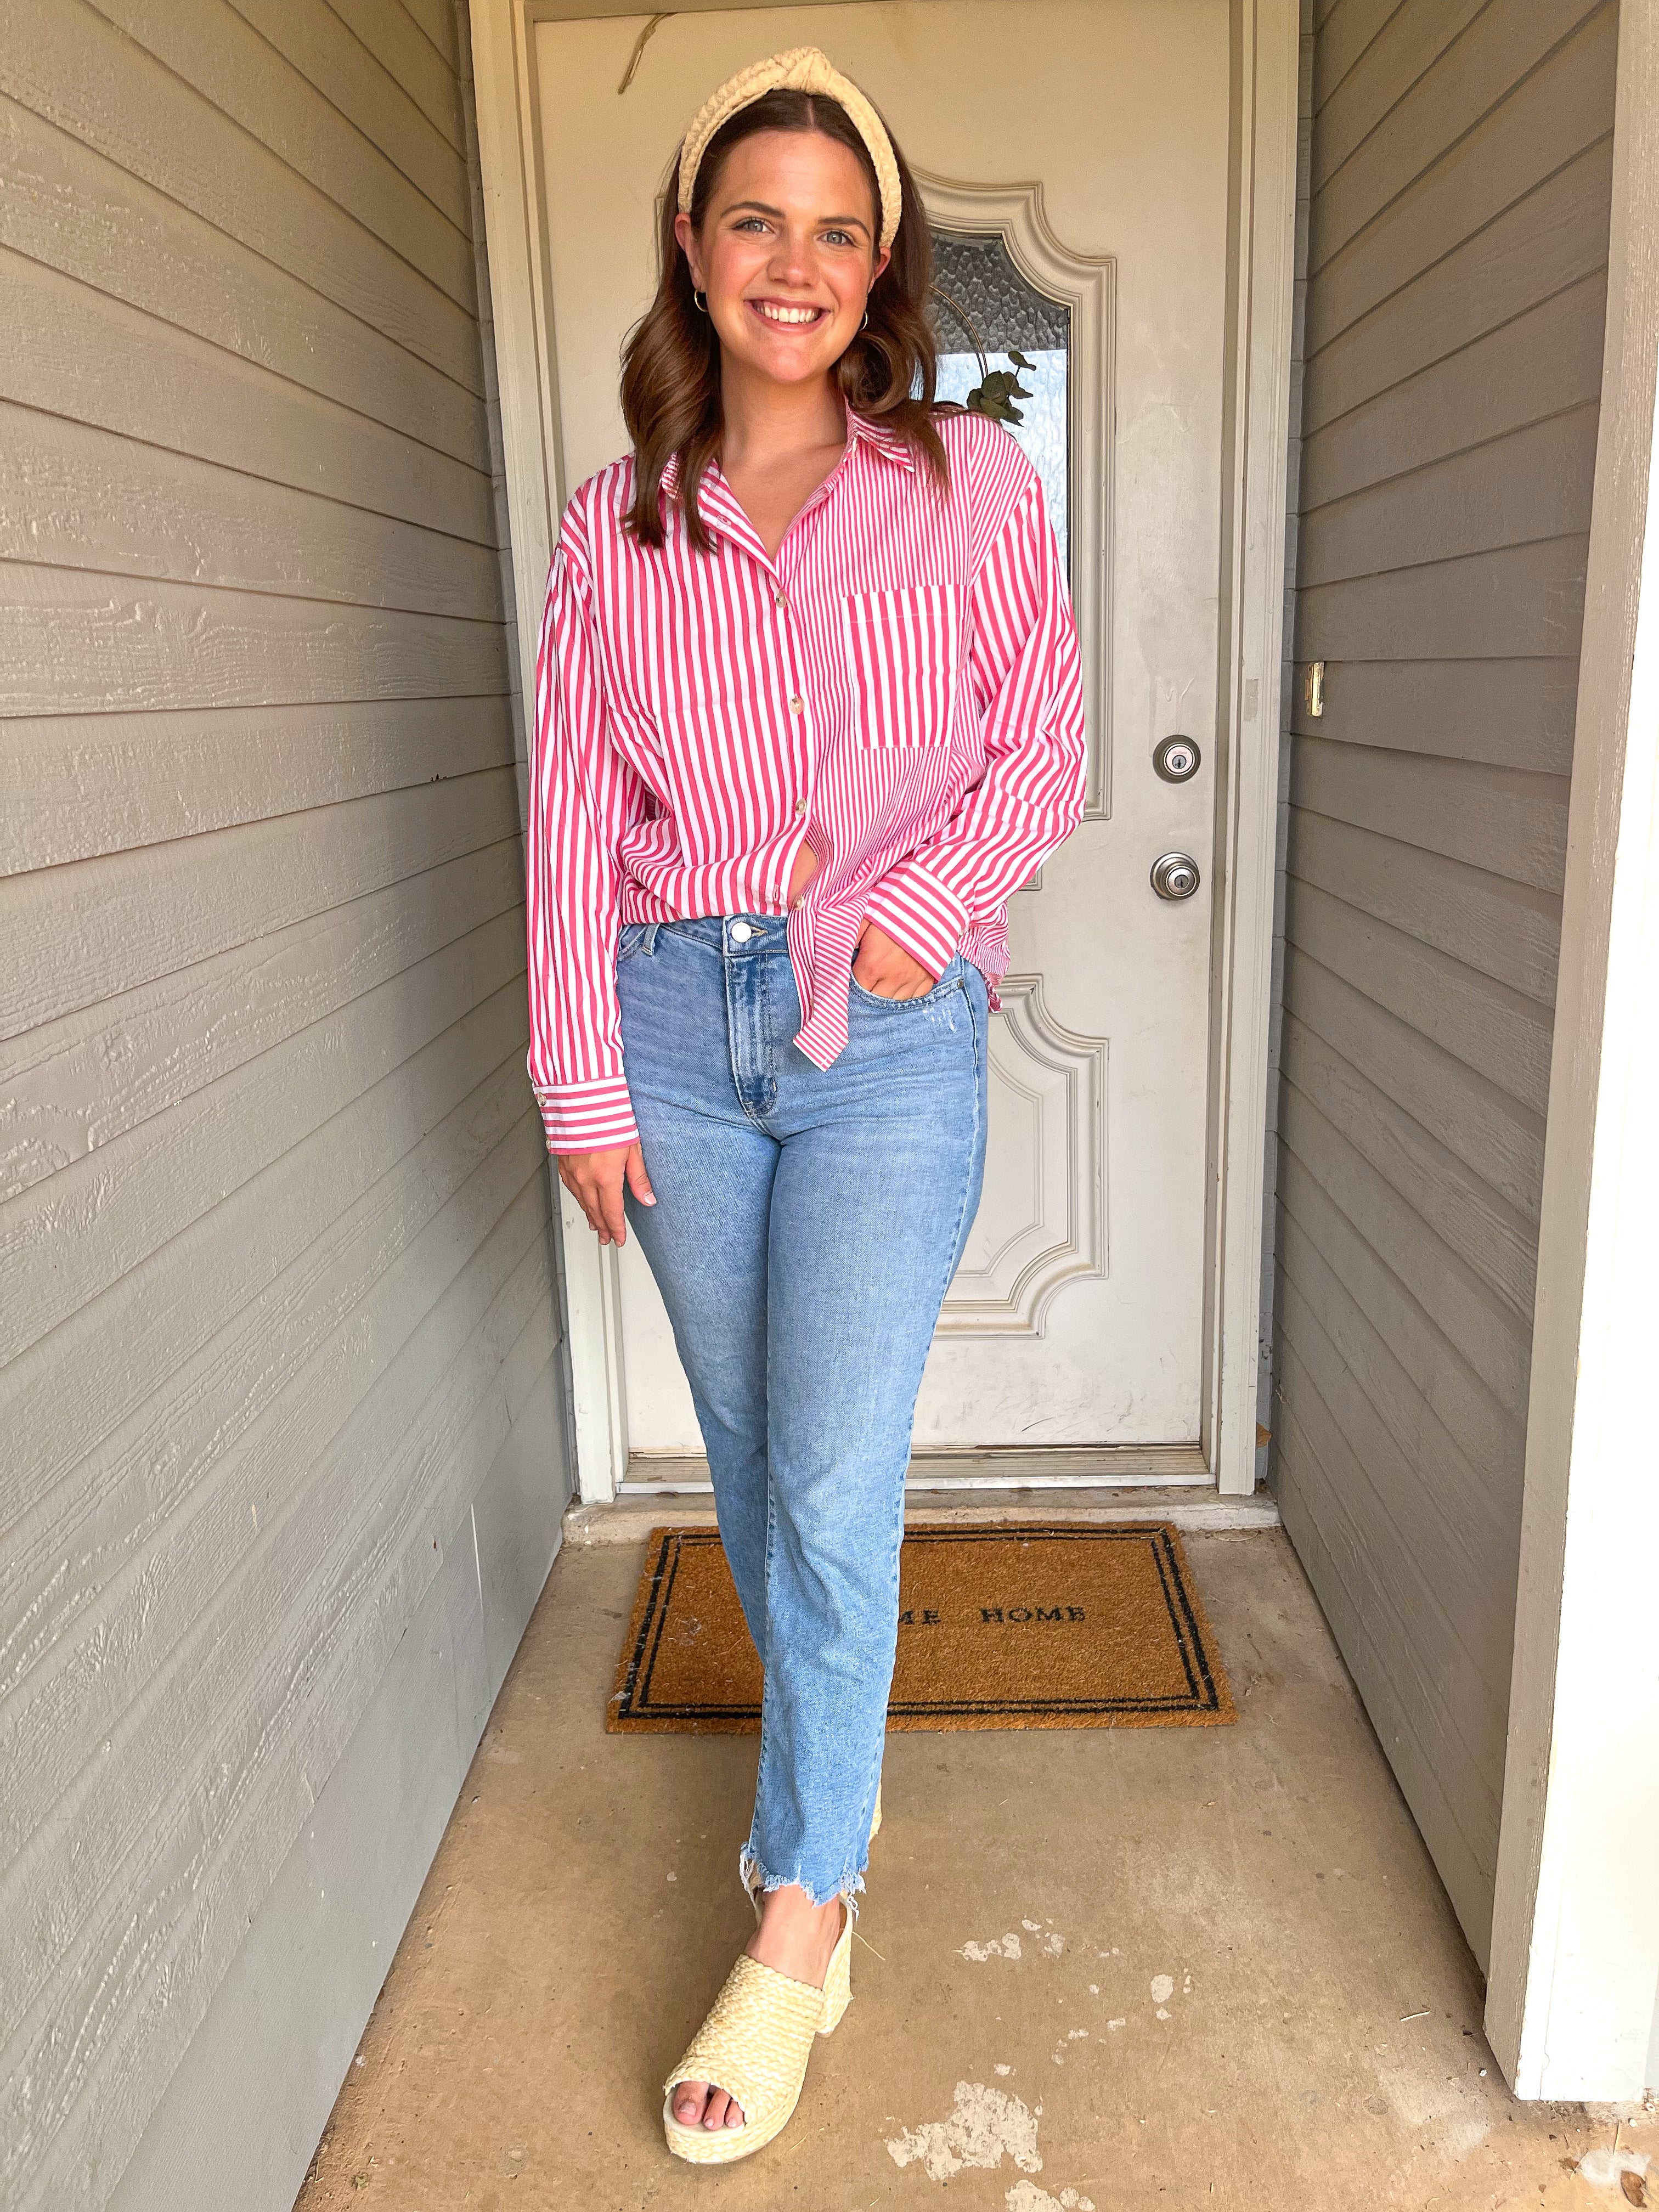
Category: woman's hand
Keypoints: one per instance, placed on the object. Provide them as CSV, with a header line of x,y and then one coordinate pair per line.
x,y
594,1180
885,967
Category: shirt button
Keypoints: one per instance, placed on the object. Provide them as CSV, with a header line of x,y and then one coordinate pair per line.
x,y
795,905
779,600
801,807
798,705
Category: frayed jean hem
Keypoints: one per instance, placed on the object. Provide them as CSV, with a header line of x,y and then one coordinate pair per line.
x,y
756,1881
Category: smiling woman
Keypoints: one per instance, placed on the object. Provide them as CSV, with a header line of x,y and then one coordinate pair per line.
x,y
808,709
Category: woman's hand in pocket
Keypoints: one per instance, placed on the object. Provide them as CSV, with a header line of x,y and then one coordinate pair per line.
x,y
595,1181
885,967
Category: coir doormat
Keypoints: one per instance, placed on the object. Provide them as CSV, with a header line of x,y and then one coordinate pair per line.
x,y
1020,1625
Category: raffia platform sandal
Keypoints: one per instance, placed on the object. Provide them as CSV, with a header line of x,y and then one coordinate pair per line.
x,y
755,2043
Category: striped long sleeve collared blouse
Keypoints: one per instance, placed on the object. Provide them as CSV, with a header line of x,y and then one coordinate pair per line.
x,y
899,689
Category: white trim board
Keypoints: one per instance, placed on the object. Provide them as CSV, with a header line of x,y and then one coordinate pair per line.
x,y
1262,206
630,1520
1575,1950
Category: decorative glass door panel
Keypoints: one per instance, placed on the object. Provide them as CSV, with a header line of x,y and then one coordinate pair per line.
x,y
1006,348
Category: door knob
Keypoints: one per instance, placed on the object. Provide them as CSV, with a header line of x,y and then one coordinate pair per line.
x,y
1175,875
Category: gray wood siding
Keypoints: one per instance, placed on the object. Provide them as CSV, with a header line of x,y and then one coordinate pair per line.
x,y
280,1369
1457,237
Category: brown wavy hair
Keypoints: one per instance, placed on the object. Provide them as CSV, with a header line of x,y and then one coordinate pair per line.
x,y
670,382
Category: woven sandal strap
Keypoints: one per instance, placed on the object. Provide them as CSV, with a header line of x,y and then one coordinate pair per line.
x,y
755,2042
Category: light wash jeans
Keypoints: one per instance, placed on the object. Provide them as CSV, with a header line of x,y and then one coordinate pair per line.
x,y
807,1225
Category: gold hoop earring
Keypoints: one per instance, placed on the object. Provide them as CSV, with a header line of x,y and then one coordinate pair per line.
x,y
700,304
865,325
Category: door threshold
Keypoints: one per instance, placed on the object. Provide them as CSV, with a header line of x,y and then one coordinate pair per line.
x,y
998,1468
629,1518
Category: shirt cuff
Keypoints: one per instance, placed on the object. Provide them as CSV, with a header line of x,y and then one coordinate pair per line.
x,y
920,913
588,1117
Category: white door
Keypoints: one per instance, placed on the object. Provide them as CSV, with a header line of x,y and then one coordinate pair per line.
x,y
1073,154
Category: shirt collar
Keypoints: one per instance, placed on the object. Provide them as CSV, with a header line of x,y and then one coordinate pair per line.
x,y
861,430
883,440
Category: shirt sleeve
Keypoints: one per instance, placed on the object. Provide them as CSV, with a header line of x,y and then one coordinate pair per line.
x,y
583,797
1027,676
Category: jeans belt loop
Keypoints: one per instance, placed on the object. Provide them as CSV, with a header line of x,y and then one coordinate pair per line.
x,y
649,943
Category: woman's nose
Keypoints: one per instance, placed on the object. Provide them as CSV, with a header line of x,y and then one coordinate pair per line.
x,y
794,260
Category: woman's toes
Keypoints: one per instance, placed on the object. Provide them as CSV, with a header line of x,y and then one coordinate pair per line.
x,y
688,2100
715,2112
733,2113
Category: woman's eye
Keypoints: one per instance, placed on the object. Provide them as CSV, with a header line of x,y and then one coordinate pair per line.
x,y
838,238
750,222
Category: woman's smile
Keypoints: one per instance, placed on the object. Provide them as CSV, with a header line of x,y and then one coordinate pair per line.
x,y
789,314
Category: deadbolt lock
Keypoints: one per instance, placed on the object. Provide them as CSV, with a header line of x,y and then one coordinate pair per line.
x,y
1175,875
1177,760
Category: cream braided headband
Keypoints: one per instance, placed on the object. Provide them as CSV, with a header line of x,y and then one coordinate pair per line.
x,y
803,69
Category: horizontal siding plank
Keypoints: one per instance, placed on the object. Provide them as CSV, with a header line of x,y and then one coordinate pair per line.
x,y
76,786
1426,1364
70,350
1446,1616
1520,600
75,1085
1344,38
69,641
1515,489
238,72
1504,930
180,1313
136,1577
1514,713
80,1536
436,20
181,1832
72,210
1495,1138
1557,236
66,1239
406,48
1416,34
311,37
1461,1518
112,100
1511,823
1478,132
84,932
1545,362
80,498
1483,1332
1492,1240
1375,1630
1501,1036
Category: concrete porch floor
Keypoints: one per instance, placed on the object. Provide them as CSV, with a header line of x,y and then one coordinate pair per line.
x,y
1238,1982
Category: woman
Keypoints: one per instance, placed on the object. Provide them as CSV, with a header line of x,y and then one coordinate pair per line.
x,y
807,710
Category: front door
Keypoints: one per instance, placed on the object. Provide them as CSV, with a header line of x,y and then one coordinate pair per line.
x,y
1073,154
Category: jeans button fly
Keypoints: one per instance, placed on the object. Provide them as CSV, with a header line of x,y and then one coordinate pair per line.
x,y
741,932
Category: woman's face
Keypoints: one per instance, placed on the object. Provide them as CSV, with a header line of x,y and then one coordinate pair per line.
x,y
787,254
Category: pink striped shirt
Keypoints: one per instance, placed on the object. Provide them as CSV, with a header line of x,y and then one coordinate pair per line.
x,y
899,689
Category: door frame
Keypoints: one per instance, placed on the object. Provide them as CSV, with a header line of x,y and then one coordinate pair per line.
x,y
1261,213
1570,2000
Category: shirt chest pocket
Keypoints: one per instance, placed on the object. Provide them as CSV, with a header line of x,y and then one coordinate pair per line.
x,y
902,648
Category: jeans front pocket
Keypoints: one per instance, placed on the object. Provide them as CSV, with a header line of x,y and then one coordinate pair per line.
x,y
951,980
902,648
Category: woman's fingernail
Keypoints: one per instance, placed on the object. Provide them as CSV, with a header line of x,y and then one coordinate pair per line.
x,y
649,1199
